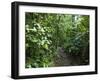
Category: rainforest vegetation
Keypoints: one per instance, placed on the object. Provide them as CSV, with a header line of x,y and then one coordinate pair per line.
x,y
53,40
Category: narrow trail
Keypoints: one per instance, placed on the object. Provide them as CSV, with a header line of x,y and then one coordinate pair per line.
x,y
64,59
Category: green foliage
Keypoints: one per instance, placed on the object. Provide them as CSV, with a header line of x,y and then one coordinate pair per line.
x,y
44,33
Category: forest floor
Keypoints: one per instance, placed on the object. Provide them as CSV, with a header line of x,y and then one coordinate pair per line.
x,y
64,59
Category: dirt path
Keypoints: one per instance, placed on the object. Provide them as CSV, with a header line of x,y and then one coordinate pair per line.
x,y
64,59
